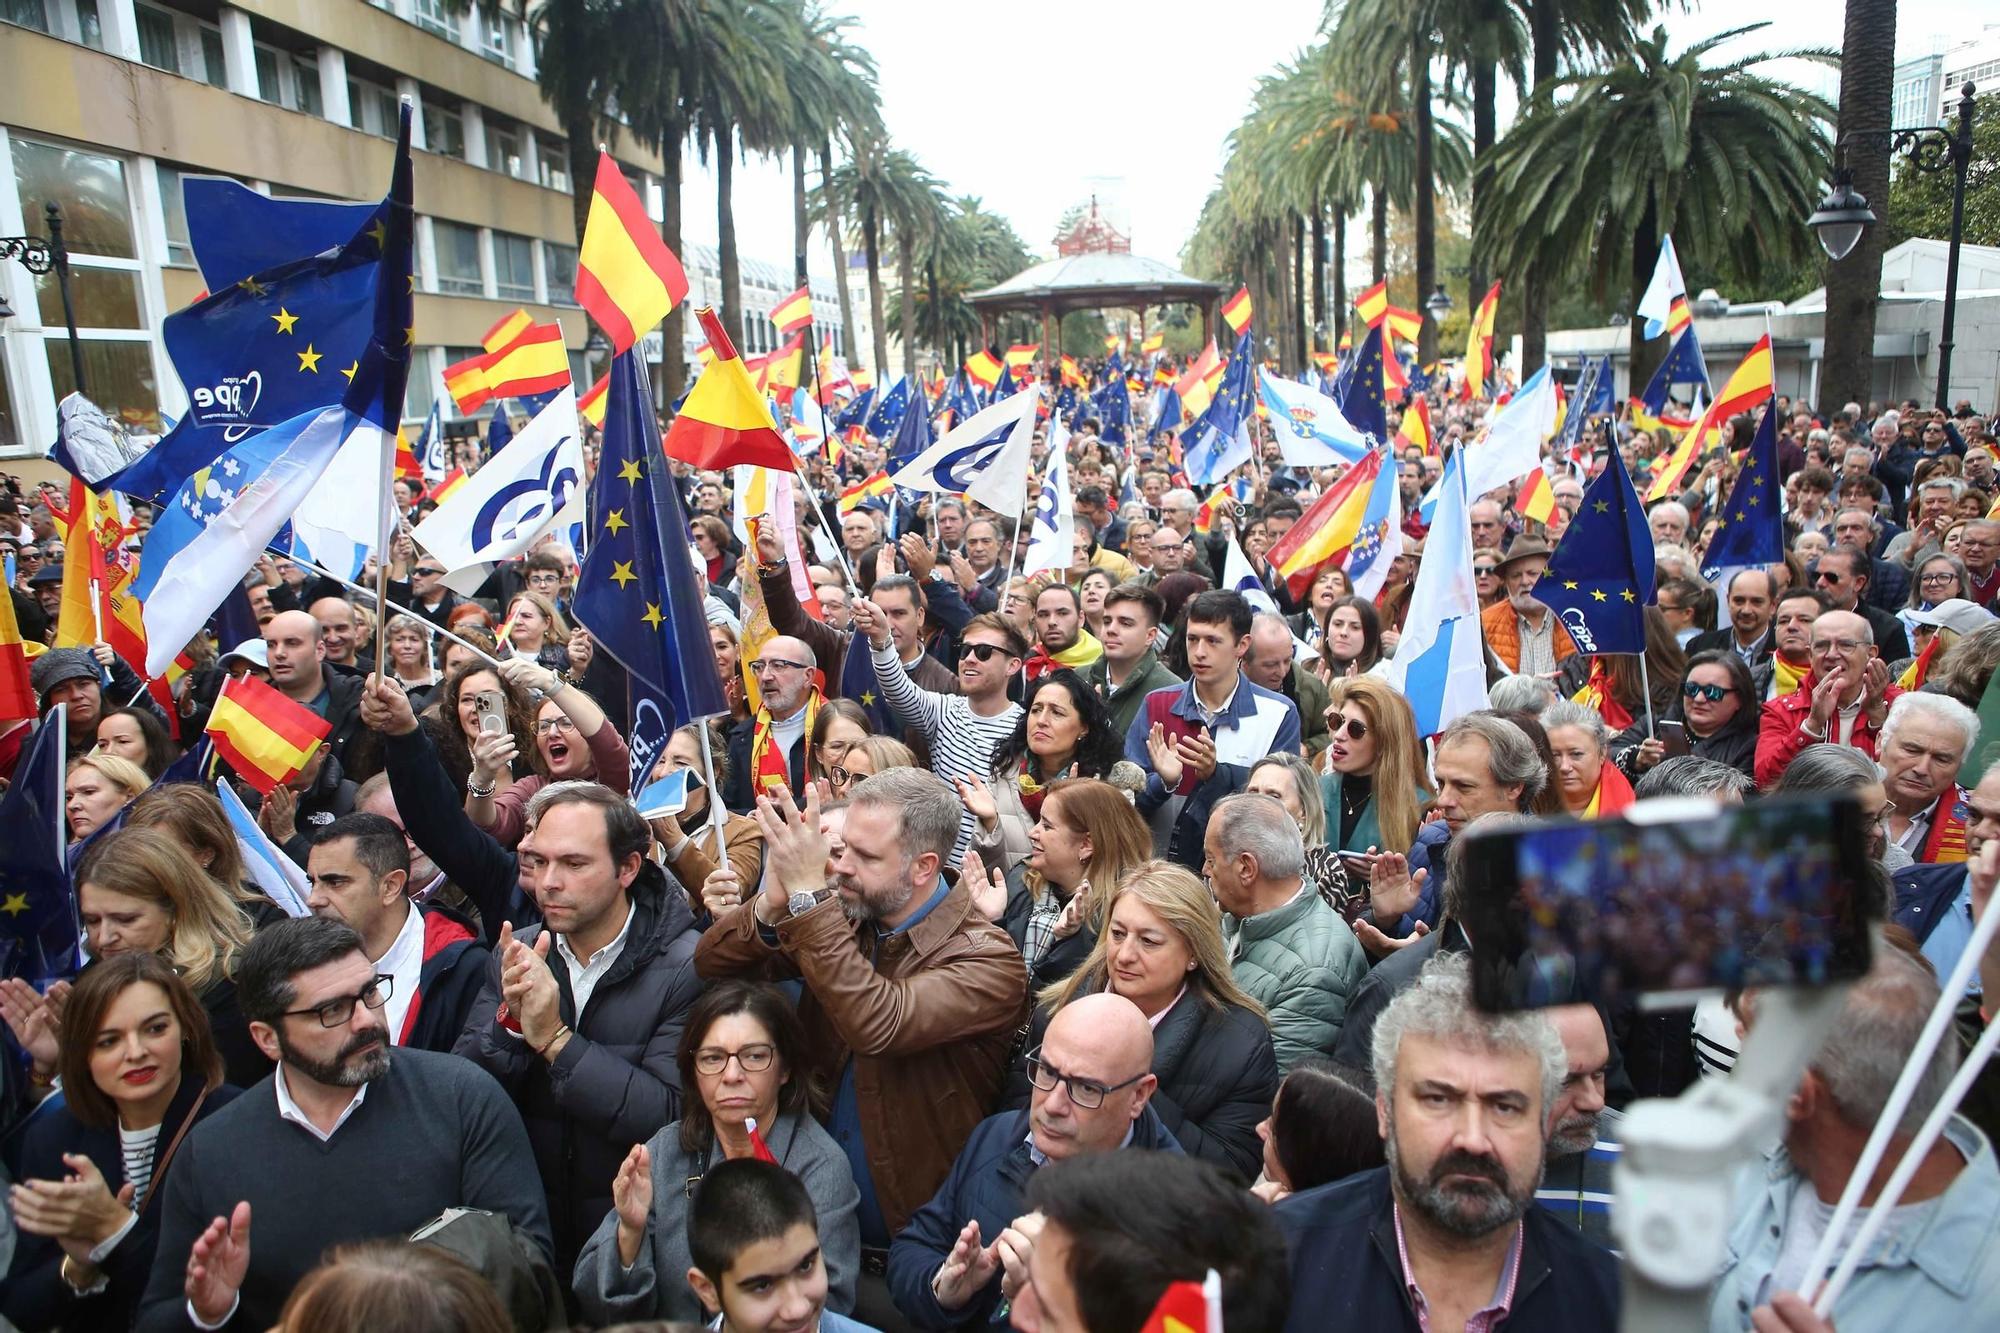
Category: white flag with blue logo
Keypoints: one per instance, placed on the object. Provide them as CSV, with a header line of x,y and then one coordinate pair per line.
x,y
1440,665
1239,576
533,486
1310,428
984,457
1052,539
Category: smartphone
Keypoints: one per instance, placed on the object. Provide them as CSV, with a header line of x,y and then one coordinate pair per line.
x,y
492,713
1679,899
1673,737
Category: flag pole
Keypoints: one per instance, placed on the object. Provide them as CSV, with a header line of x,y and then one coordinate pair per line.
x,y
1646,687
714,794
840,551
351,586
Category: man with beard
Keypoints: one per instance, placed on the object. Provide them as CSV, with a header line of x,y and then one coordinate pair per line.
x,y
1445,1237
346,1141
1576,1185
912,997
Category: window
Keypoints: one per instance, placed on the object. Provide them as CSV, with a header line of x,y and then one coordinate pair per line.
x,y
174,214
437,16
305,76
444,131
216,65
120,375
559,270
513,266
88,187
268,84
503,150
27,13
156,39
457,248
553,163
497,39
88,26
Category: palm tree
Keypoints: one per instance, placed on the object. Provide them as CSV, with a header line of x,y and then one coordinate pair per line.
x,y
862,185
1854,284
1601,164
830,86
918,214
975,250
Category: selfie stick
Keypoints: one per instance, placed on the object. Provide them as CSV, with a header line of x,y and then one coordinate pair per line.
x,y
1936,1027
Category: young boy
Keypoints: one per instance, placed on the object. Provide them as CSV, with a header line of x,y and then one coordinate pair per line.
x,y
754,1239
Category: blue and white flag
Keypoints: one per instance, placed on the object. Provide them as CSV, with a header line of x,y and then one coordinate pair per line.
x,y
1238,576
532,487
266,865
1440,665
1052,539
1511,447
1311,430
433,449
984,457
1667,283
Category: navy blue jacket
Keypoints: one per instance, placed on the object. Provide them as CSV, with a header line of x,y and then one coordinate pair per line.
x,y
1924,893
1346,1272
987,1183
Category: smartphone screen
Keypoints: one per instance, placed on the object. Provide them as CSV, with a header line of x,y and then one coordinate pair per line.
x,y
1680,898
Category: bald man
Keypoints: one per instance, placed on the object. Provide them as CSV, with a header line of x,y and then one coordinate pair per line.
x,y
968,1248
340,631
1843,700
296,649
769,750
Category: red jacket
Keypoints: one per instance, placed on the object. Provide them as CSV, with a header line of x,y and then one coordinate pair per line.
x,y
1780,734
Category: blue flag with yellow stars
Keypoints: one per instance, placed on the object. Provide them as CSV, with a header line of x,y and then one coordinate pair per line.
x,y
1684,365
1570,437
637,592
1219,441
889,413
1004,387
38,934
1752,528
1113,403
1358,388
960,400
856,411
1601,576
1602,400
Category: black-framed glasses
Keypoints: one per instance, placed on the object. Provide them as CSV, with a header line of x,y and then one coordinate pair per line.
x,y
755,1058
1715,694
1087,1093
840,777
332,1013
1351,727
985,652
1484,571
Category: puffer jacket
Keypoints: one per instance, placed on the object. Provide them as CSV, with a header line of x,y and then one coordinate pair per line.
x,y
1302,963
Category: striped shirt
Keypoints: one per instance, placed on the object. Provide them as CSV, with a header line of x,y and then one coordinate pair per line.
x,y
1577,1186
961,741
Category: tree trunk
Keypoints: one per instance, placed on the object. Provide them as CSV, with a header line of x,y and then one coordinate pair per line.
x,y
1543,30
729,264
871,238
1854,285
906,301
835,223
582,156
673,357
801,217
1640,358
1339,323
1299,332
1320,328
1378,232
1485,87
935,335
1426,215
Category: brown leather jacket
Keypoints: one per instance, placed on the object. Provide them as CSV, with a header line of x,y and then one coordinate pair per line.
x,y
930,1023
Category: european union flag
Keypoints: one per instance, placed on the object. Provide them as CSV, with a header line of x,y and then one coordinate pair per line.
x,y
857,682
1601,576
1602,401
889,412
499,430
1114,403
1684,365
857,409
913,433
959,399
1166,412
1004,387
1752,529
637,592
1358,388
1068,405
38,926
1570,438
1219,442
234,231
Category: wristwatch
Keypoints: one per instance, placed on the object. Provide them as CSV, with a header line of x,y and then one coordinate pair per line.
x,y
804,901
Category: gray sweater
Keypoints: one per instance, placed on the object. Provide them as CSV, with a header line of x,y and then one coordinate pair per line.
x,y
655,1286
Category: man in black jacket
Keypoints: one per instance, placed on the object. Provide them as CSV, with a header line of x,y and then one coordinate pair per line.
x,y
1448,1233
296,649
580,1019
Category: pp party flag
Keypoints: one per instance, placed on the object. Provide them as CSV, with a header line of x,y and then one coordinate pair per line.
x,y
1751,527
1357,523
626,278
266,736
1537,498
1358,388
1666,287
1022,355
1310,428
38,931
1188,1307
868,488
984,457
1415,427
264,864
637,592
1440,665
793,313
17,695
1683,364
1601,575
889,409
1512,445
1236,311
1219,442
1152,343
235,232
1747,389
1238,576
532,487
1479,344
1052,535
591,406
724,422
984,368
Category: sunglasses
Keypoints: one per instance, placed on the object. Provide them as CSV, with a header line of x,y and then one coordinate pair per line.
x,y
1484,570
430,571
985,652
1713,693
1351,727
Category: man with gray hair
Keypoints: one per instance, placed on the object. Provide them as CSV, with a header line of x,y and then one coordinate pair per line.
x,y
912,997
1287,946
1925,741
1691,775
1937,1264
1446,1235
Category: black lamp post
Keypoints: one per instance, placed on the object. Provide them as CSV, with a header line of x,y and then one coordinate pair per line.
x,y
39,257
1844,214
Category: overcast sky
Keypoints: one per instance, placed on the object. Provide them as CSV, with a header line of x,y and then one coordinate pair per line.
x,y
1146,96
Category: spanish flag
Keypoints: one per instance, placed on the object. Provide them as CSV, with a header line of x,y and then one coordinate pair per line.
x,y
1197,384
1372,303
1678,317
465,381
794,312
1111,341
1022,354
265,736
407,466
725,422
865,489
508,328
1211,509
782,369
1072,374
626,278
984,368
17,696
1536,499
447,484
535,362
93,539
1748,388
861,381
1236,310
591,406
1152,344
1479,344
1415,427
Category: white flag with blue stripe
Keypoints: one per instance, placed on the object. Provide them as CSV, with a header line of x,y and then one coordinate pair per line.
x,y
534,485
1052,539
268,868
1440,664
984,457
1310,428
1239,576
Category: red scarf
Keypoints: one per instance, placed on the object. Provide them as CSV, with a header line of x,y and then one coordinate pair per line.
x,y
1596,694
1946,842
1613,794
768,769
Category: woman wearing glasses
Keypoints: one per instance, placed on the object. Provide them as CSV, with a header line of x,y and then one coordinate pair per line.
x,y
1372,784
139,1068
1162,949
864,759
838,726
743,1053
573,740
1938,578
1717,711
1063,731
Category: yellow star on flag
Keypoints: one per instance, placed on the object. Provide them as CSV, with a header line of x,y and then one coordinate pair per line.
x,y
379,233
629,470
309,359
1602,506
254,287
1629,595
653,616
1756,479
349,371
1597,595
285,320
867,698
410,336
1569,585
615,521
621,573
16,904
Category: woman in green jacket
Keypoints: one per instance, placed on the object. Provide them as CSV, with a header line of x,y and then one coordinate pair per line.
x,y
1372,782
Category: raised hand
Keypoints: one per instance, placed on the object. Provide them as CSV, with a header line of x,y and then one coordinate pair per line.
x,y
32,1021
1016,1248
917,554
581,649
966,1270
1392,889
972,790
869,622
632,1199
722,891
795,851
216,1265
988,889
1378,945
1198,756
530,675
1826,698
1165,755
385,707
493,754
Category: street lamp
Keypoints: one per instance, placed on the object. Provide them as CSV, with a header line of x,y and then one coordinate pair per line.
x,y
1844,214
38,256
1438,303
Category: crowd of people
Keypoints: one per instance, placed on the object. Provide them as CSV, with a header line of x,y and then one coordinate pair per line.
x,y
1025,943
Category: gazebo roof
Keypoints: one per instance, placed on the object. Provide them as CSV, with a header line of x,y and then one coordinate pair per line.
x,y
1075,282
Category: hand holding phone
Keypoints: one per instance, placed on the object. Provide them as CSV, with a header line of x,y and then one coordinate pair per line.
x,y
492,713
1673,737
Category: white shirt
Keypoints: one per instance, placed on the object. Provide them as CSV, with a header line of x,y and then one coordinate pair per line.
x,y
403,964
289,1109
584,974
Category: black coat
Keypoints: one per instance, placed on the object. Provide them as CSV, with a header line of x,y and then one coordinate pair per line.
x,y
1063,956
36,1296
243,1061
739,794
1735,744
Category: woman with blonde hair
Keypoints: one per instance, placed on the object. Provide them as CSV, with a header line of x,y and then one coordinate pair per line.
x,y
864,759
1373,785
139,891
1086,834
195,818
535,629
1162,949
97,786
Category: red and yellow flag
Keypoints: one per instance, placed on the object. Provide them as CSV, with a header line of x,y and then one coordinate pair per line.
x,y
984,368
1153,343
794,312
1328,529
1022,354
1479,344
465,381
508,328
866,489
1072,374
448,484
17,695
725,421
1372,303
1678,316
1111,341
626,278
591,406
782,369
1536,498
93,544
1748,387
533,361
1415,427
1197,384
265,736
1236,310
